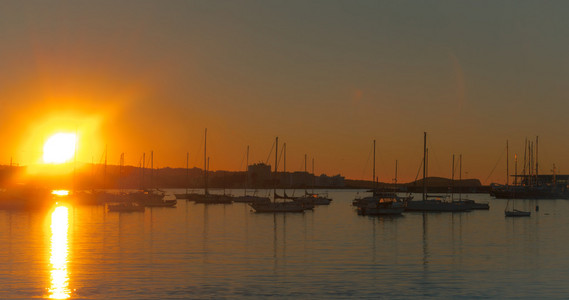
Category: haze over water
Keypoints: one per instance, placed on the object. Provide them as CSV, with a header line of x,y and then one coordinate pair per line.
x,y
227,251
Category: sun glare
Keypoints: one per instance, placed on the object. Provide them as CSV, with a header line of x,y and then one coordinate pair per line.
x,y
59,251
60,192
59,148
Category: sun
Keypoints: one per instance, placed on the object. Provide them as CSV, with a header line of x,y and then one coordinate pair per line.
x,y
59,148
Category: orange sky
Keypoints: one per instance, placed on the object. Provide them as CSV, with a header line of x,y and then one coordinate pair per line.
x,y
149,76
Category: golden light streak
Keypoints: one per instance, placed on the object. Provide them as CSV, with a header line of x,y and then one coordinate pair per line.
x,y
59,148
60,192
59,249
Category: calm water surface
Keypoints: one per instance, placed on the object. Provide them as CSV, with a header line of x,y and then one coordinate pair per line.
x,y
227,251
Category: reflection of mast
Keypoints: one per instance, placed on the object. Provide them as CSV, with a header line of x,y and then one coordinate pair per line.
x,y
425,243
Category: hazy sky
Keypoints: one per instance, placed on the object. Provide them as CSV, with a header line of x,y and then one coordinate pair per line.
x,y
327,77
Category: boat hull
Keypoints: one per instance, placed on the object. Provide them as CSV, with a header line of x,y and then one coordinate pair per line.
x,y
251,199
277,207
213,199
436,206
379,211
517,213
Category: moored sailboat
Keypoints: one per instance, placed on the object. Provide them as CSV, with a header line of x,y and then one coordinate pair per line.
x,y
206,197
436,203
277,206
249,198
313,198
379,203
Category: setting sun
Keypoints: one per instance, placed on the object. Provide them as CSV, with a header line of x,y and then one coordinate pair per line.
x,y
59,148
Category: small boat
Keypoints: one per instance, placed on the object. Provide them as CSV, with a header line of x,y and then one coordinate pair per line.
x,y
380,205
515,212
473,205
314,199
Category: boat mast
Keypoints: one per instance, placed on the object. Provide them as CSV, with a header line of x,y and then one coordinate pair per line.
x,y
531,163
525,181
313,176
104,170
374,181
205,162
305,190
395,179
424,165
507,165
275,176
207,168
143,165
187,171
152,169
452,181
284,171
121,166
460,177
536,160
516,169
246,172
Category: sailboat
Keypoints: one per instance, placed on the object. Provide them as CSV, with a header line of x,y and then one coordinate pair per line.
x,y
312,198
406,198
435,204
249,198
123,202
470,203
152,197
277,206
208,198
187,195
531,185
514,212
380,203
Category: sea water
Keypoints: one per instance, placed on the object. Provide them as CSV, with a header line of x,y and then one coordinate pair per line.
x,y
228,251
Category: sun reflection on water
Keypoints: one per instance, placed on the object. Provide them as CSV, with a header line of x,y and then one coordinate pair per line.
x,y
59,278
